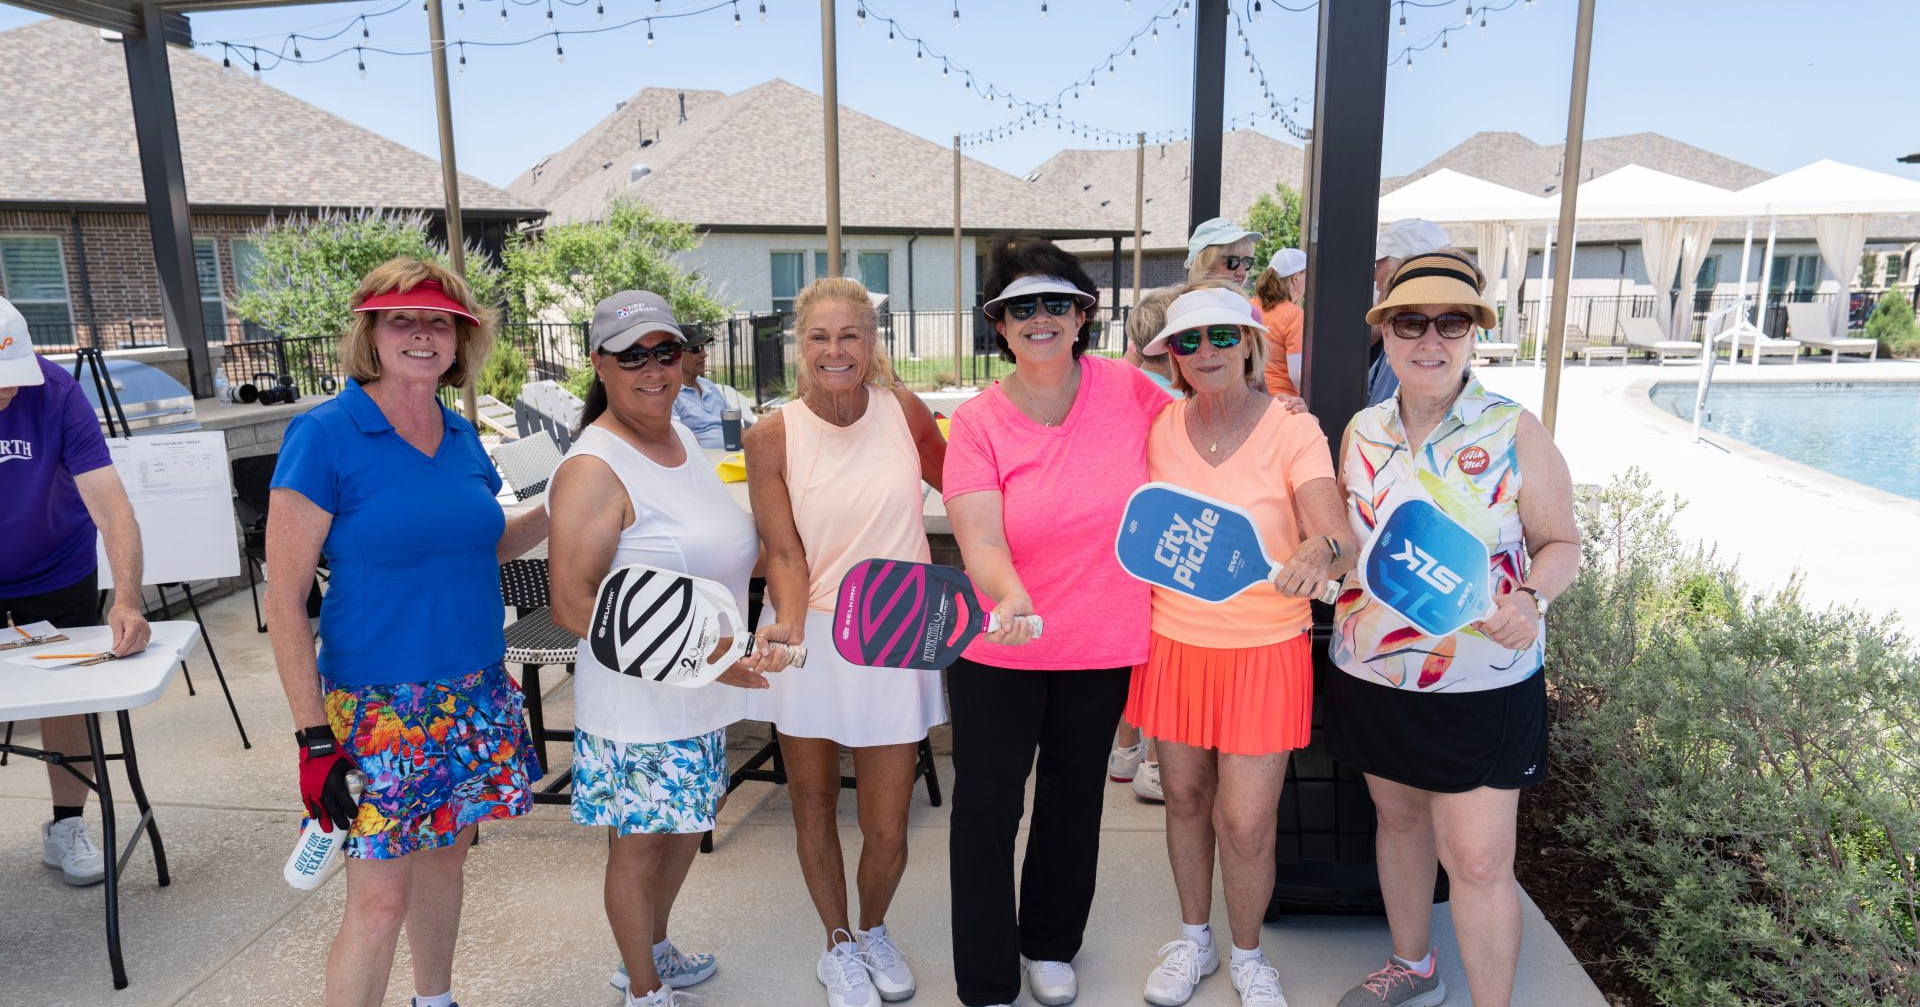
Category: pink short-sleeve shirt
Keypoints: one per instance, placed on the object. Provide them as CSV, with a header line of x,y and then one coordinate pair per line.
x,y
1063,491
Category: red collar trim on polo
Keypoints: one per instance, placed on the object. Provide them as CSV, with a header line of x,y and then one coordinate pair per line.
x,y
427,295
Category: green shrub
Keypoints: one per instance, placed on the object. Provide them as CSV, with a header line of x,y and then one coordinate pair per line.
x,y
1749,768
579,380
505,372
1893,326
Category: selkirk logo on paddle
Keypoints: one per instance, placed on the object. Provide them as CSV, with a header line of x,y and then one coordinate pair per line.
x,y
1427,568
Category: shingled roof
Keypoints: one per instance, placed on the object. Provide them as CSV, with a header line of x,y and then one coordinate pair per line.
x,y
753,161
1250,163
68,138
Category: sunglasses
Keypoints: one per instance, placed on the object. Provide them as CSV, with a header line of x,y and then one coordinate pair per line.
x,y
1236,262
697,348
1413,324
1022,308
1223,337
634,358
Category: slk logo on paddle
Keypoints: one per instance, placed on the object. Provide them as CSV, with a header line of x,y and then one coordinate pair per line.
x,y
1425,567
1473,460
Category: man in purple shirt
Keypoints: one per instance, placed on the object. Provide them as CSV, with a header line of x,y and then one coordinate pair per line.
x,y
57,484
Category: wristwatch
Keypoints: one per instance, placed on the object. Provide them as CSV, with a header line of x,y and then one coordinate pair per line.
x,y
317,741
1539,600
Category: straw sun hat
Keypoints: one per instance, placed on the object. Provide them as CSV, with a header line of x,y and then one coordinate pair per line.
x,y
1440,277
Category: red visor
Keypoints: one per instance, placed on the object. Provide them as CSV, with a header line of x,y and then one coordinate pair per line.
x,y
427,295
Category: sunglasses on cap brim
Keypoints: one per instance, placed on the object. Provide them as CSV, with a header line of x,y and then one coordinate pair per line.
x,y
1223,337
635,357
1022,308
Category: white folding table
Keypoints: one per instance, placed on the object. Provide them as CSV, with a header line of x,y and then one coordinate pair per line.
x,y
115,687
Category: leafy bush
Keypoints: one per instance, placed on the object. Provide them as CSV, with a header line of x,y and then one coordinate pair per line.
x,y
1276,215
505,372
1892,324
569,268
309,267
1749,766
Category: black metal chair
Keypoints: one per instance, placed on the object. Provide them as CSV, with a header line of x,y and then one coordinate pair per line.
x,y
253,491
533,642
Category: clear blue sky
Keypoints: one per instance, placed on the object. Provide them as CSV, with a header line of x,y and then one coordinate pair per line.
x,y
1774,83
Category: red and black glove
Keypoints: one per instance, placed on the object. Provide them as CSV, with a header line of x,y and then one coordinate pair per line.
x,y
323,779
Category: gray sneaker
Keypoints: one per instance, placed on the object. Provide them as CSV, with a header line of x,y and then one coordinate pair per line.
x,y
1395,985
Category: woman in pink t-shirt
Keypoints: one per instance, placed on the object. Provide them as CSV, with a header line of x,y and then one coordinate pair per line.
x,y
1227,688
1038,471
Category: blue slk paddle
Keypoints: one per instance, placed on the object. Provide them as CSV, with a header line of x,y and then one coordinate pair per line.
x,y
1427,568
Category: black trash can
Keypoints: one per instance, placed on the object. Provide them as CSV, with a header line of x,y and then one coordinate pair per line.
x,y
1323,847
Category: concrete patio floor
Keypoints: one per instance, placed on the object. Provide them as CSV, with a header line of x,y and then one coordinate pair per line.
x,y
229,931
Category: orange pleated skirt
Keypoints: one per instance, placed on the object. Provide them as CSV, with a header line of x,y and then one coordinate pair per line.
x,y
1242,701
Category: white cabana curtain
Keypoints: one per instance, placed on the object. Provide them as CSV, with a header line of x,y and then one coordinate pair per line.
x,y
1660,246
1696,240
1519,236
1491,253
1842,239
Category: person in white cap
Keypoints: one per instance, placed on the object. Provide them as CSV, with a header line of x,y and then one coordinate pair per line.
x,y
1276,299
1399,241
57,485
1221,250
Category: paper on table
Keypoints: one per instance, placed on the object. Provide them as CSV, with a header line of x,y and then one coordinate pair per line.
x,y
87,645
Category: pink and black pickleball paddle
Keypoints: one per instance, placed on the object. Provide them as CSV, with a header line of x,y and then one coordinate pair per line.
x,y
896,614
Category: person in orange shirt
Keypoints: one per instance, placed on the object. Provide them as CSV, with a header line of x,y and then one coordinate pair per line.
x,y
1227,689
1276,297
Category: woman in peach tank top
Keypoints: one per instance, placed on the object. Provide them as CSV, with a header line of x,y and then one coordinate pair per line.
x,y
835,478
1227,689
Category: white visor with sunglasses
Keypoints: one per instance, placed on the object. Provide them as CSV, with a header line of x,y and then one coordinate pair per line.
x,y
1197,309
1035,283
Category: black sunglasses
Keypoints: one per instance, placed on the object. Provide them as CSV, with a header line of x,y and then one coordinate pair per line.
x,y
634,358
1233,262
1022,308
1413,324
1223,337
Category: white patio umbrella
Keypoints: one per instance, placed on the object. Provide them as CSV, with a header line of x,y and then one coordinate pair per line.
x,y
1677,218
1838,198
1449,197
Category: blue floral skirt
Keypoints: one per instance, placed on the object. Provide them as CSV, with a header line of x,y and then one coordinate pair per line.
x,y
649,789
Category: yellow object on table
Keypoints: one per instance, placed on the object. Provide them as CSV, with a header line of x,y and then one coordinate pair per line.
x,y
732,468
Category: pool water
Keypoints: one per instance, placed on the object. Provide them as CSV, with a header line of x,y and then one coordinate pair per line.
x,y
1865,431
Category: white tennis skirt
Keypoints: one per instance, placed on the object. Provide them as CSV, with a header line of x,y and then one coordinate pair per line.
x,y
852,704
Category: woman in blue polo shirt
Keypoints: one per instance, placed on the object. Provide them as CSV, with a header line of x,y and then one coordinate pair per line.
x,y
396,492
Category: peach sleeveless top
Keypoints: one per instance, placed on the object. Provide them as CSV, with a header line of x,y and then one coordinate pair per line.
x,y
855,491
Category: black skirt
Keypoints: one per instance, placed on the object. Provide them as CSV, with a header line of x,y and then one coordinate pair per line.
x,y
1448,742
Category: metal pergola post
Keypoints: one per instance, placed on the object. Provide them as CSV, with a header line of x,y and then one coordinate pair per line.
x,y
1209,110
164,175
1349,109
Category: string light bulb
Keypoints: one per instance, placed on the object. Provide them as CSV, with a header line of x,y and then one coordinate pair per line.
x,y
364,32
360,58
889,34
296,50
1469,18
1156,33
599,13
1043,10
649,33
226,65
1256,10
503,11
736,14
559,54
460,9
549,13
763,12
919,52
463,59
860,16
956,13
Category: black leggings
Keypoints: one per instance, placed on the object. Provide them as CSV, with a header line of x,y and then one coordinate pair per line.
x,y
70,607
1001,719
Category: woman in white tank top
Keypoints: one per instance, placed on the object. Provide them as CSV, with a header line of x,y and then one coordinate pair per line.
x,y
649,759
835,479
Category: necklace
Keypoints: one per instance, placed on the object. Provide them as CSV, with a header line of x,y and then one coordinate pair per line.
x,y
1232,425
1052,418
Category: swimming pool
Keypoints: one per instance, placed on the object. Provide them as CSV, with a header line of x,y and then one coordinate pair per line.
x,y
1867,431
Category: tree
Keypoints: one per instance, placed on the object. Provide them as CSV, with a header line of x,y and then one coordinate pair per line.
x,y
1892,324
1278,220
569,268
1869,268
309,267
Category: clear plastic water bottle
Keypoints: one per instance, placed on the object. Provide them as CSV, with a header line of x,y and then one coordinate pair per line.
x,y
316,849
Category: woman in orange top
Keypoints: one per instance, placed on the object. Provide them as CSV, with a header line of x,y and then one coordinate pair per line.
x,y
1277,298
1227,689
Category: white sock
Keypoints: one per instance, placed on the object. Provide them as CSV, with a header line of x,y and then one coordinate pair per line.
x,y
1199,933
640,1000
879,930
443,1000
1241,956
1424,966
661,948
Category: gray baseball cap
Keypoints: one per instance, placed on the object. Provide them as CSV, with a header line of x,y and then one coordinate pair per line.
x,y
623,319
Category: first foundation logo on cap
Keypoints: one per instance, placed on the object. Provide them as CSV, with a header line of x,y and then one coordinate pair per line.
x,y
18,365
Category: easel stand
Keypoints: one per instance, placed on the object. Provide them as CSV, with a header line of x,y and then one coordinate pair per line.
x,y
166,611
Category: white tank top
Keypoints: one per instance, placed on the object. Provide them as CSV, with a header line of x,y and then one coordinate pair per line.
x,y
684,520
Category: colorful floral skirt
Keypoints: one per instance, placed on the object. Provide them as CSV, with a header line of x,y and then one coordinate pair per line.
x,y
439,756
649,789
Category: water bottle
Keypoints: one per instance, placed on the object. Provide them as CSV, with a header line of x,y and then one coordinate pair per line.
x,y
316,849
730,429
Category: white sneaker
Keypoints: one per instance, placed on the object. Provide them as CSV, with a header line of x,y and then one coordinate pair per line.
x,y
1183,963
1146,785
885,964
1123,763
1258,983
843,972
1052,983
66,845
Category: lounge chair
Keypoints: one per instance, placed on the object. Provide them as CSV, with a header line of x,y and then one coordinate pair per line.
x,y
1644,334
1581,345
1808,324
1485,347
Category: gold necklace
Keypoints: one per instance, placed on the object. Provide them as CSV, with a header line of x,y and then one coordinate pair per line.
x,y
1053,418
1233,423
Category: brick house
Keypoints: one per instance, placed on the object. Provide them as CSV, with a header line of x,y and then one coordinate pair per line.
x,y
76,253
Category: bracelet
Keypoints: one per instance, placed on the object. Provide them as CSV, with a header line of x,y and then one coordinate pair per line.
x,y
1333,545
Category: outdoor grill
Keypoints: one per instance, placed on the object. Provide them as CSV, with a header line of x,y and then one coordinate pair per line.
x,y
153,401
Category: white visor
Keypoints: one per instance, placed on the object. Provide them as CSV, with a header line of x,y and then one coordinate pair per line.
x,y
1200,308
1035,283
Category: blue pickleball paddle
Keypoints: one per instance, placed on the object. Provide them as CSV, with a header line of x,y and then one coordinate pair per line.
x,y
1192,543
1424,566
